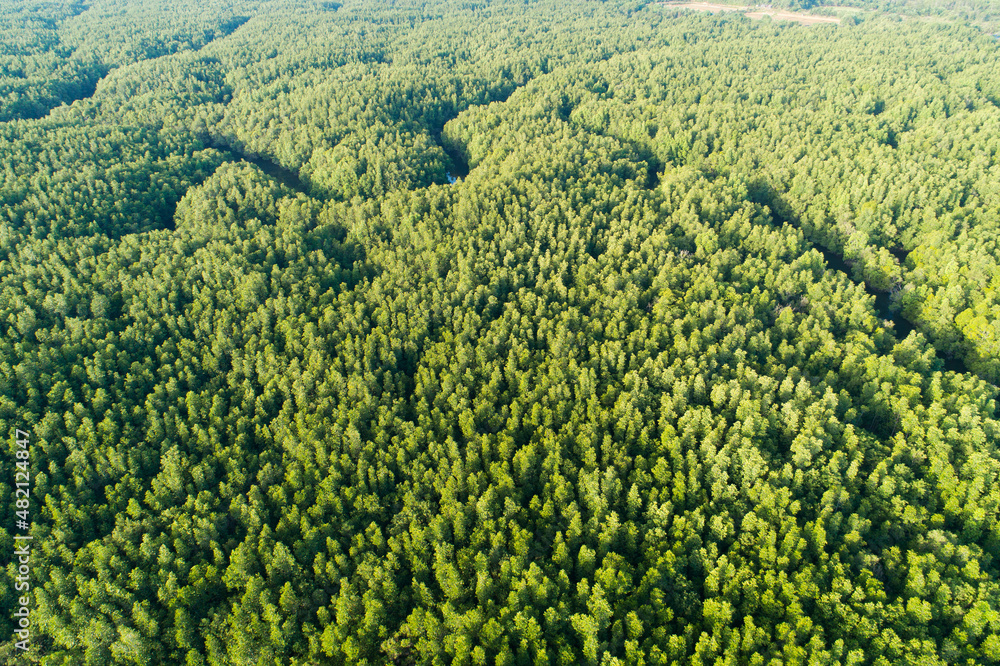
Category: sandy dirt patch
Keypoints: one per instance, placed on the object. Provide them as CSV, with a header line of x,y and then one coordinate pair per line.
x,y
804,19
706,6
756,13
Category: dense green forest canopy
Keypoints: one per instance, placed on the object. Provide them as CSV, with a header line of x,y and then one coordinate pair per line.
x,y
499,332
983,13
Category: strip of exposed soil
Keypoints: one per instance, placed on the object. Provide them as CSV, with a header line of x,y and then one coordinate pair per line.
x,y
754,12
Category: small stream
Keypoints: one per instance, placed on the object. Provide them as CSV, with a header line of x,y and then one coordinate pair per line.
x,y
87,88
459,166
901,327
286,177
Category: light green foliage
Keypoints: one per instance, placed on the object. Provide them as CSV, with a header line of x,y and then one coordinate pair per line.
x,y
296,399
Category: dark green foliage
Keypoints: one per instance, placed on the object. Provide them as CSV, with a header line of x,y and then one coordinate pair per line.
x,y
296,399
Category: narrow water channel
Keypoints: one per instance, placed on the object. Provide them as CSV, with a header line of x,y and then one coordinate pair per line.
x,y
459,165
286,177
834,260
901,327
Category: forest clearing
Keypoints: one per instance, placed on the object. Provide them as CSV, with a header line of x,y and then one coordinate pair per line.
x,y
754,12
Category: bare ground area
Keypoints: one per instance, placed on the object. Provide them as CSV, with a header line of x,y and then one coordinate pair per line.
x,y
707,6
758,13
804,19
